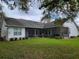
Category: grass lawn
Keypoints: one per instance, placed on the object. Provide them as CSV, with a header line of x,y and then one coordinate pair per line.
x,y
40,48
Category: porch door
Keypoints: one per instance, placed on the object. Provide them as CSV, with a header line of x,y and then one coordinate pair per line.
x,y
30,32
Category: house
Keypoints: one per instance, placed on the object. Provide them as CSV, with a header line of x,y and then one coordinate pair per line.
x,y
73,28
11,28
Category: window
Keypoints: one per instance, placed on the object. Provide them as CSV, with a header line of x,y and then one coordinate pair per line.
x,y
17,31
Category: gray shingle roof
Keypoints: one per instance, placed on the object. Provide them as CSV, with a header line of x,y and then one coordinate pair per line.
x,y
27,23
49,25
13,22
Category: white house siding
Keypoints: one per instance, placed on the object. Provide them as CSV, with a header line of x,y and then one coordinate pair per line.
x,y
4,30
72,28
11,33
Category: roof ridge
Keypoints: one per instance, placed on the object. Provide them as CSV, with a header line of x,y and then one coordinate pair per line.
x,y
21,19
27,23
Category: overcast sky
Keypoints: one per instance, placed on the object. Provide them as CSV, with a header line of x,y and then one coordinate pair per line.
x,y
33,14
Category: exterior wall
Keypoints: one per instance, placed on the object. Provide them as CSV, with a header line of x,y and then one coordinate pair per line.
x,y
4,30
11,33
72,28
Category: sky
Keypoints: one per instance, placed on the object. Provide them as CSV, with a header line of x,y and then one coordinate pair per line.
x,y
33,14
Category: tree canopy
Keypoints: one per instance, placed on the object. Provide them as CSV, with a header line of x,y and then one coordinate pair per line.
x,y
68,7
22,4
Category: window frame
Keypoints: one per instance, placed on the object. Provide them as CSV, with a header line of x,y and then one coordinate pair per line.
x,y
17,31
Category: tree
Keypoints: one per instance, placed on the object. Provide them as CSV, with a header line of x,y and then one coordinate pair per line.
x,y
22,4
68,7
46,18
1,12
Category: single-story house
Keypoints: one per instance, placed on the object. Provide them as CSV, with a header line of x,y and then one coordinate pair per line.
x,y
11,28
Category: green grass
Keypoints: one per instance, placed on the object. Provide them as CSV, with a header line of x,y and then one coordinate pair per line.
x,y
40,48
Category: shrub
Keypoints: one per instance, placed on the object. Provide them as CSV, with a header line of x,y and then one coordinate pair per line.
x,y
26,37
11,39
72,37
15,39
78,36
1,39
23,38
20,38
